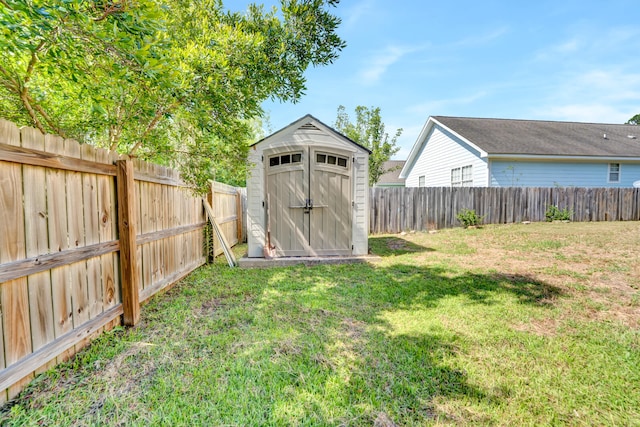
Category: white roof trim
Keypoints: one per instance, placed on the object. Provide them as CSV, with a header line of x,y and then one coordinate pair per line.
x,y
309,119
421,141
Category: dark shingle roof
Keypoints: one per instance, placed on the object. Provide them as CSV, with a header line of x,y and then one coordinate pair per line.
x,y
534,137
393,168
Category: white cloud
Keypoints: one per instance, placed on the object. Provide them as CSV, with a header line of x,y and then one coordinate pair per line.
x,y
593,76
481,39
380,63
597,95
593,112
561,49
356,12
441,106
591,44
612,85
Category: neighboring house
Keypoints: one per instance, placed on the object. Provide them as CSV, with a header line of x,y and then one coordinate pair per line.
x,y
391,177
475,152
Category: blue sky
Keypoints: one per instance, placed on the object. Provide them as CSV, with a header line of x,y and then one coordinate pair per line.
x,y
544,60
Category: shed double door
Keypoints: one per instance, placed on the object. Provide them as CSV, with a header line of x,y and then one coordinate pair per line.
x,y
310,205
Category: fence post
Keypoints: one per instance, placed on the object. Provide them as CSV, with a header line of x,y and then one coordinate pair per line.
x,y
127,233
239,217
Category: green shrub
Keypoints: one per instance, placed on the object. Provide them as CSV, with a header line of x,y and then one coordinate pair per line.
x,y
469,217
554,214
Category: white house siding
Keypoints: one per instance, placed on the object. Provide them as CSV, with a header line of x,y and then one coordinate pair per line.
x,y
560,174
442,152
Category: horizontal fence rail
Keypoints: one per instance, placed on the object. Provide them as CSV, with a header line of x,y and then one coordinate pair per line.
x,y
67,270
394,210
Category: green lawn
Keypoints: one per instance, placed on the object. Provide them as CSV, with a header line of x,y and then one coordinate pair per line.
x,y
505,325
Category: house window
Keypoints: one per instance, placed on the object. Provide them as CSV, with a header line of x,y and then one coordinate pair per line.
x,y
614,172
462,177
421,181
467,176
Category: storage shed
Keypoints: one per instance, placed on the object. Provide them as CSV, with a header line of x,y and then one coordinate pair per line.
x,y
307,193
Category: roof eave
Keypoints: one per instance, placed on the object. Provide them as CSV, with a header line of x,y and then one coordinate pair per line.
x,y
419,144
417,147
308,118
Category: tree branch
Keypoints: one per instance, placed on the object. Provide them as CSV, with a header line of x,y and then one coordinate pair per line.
x,y
110,10
46,117
33,61
24,97
152,125
12,84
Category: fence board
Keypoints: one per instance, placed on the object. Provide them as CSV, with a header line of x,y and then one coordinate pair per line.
x,y
60,247
37,243
58,239
14,298
92,231
400,209
75,217
107,233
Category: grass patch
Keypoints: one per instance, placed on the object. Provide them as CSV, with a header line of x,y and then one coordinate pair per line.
x,y
487,327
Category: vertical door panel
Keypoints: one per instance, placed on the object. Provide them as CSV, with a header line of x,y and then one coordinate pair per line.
x,y
287,189
331,215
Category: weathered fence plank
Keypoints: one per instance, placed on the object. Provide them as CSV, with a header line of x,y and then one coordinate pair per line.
x,y
60,249
107,233
400,209
92,230
37,242
14,298
57,214
78,276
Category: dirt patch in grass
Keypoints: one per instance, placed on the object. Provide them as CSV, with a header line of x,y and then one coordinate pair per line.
x,y
542,327
593,269
583,260
396,244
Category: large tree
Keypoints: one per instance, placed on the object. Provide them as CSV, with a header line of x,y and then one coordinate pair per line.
x,y
635,120
368,130
177,82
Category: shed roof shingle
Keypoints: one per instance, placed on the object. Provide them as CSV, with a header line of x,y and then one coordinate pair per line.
x,y
392,173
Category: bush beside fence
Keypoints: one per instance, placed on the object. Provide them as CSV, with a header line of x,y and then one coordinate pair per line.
x,y
427,208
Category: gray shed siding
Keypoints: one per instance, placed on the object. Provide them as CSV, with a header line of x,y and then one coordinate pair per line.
x,y
294,136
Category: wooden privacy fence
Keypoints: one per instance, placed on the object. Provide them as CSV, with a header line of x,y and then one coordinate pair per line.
x,y
400,209
85,236
229,205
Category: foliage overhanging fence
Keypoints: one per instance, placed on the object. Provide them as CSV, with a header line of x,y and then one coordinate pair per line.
x,y
85,237
394,210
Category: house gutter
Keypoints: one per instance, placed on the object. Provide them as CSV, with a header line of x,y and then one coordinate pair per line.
x,y
551,158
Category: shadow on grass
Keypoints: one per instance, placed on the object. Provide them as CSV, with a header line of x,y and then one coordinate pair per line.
x,y
337,330
291,346
392,245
